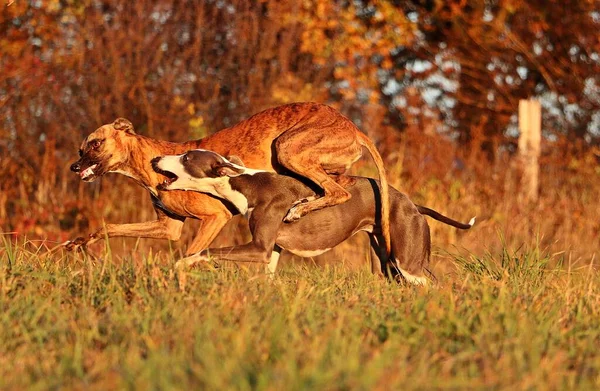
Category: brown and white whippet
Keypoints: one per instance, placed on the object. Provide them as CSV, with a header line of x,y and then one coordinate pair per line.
x,y
268,196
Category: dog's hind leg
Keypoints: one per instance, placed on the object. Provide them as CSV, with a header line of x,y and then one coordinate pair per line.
x,y
272,266
334,194
411,249
413,280
246,253
319,153
191,260
381,264
379,258
264,233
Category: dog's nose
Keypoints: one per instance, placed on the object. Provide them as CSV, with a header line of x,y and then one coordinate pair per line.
x,y
76,167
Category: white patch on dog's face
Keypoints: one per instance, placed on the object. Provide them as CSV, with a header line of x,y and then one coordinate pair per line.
x,y
218,187
172,163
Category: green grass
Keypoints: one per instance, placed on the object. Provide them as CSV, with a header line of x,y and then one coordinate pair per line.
x,y
504,321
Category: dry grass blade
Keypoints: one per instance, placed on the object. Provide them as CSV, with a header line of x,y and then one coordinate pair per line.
x,y
134,322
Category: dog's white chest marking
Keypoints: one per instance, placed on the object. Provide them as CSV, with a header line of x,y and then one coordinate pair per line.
x,y
219,187
235,197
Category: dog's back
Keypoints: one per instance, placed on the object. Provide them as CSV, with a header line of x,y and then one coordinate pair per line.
x,y
271,196
323,229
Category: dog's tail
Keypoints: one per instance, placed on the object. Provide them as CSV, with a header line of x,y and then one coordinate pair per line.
x,y
385,193
446,220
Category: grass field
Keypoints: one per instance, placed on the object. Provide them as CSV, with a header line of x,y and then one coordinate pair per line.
x,y
511,321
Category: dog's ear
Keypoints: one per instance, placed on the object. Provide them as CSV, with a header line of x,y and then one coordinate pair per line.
x,y
124,125
227,169
236,160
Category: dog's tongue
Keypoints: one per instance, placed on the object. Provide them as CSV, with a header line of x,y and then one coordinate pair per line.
x,y
87,172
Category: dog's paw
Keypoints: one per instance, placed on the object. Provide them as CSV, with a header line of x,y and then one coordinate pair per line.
x,y
192,260
298,209
76,244
293,214
345,181
303,201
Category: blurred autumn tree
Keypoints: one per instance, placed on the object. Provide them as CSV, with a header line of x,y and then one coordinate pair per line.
x,y
181,69
469,62
501,51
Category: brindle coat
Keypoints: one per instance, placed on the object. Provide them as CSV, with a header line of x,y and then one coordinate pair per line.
x,y
309,139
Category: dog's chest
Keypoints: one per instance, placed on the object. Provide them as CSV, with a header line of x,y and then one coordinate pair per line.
x,y
165,207
236,198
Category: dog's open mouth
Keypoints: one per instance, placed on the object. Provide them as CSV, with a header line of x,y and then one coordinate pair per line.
x,y
169,180
170,177
88,174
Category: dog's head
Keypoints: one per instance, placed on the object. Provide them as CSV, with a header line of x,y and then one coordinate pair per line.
x,y
103,150
198,170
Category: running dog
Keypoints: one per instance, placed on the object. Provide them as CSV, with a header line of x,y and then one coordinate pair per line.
x,y
310,140
268,196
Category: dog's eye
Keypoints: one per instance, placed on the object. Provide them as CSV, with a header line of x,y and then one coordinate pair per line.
x,y
95,144
185,158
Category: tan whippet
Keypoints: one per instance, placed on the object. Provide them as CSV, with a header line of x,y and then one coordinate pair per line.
x,y
309,139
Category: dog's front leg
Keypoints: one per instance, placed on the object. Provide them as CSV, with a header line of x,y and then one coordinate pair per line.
x,y
164,227
258,250
210,226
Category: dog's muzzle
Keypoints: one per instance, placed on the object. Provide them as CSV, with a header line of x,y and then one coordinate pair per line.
x,y
86,174
154,163
76,167
171,177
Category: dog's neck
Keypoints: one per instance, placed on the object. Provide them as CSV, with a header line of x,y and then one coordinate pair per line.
x,y
248,185
138,156
239,190
223,188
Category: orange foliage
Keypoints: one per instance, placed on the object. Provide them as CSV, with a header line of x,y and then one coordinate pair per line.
x,y
182,70
356,45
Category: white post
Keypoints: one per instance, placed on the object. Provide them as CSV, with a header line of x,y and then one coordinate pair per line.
x,y
530,127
